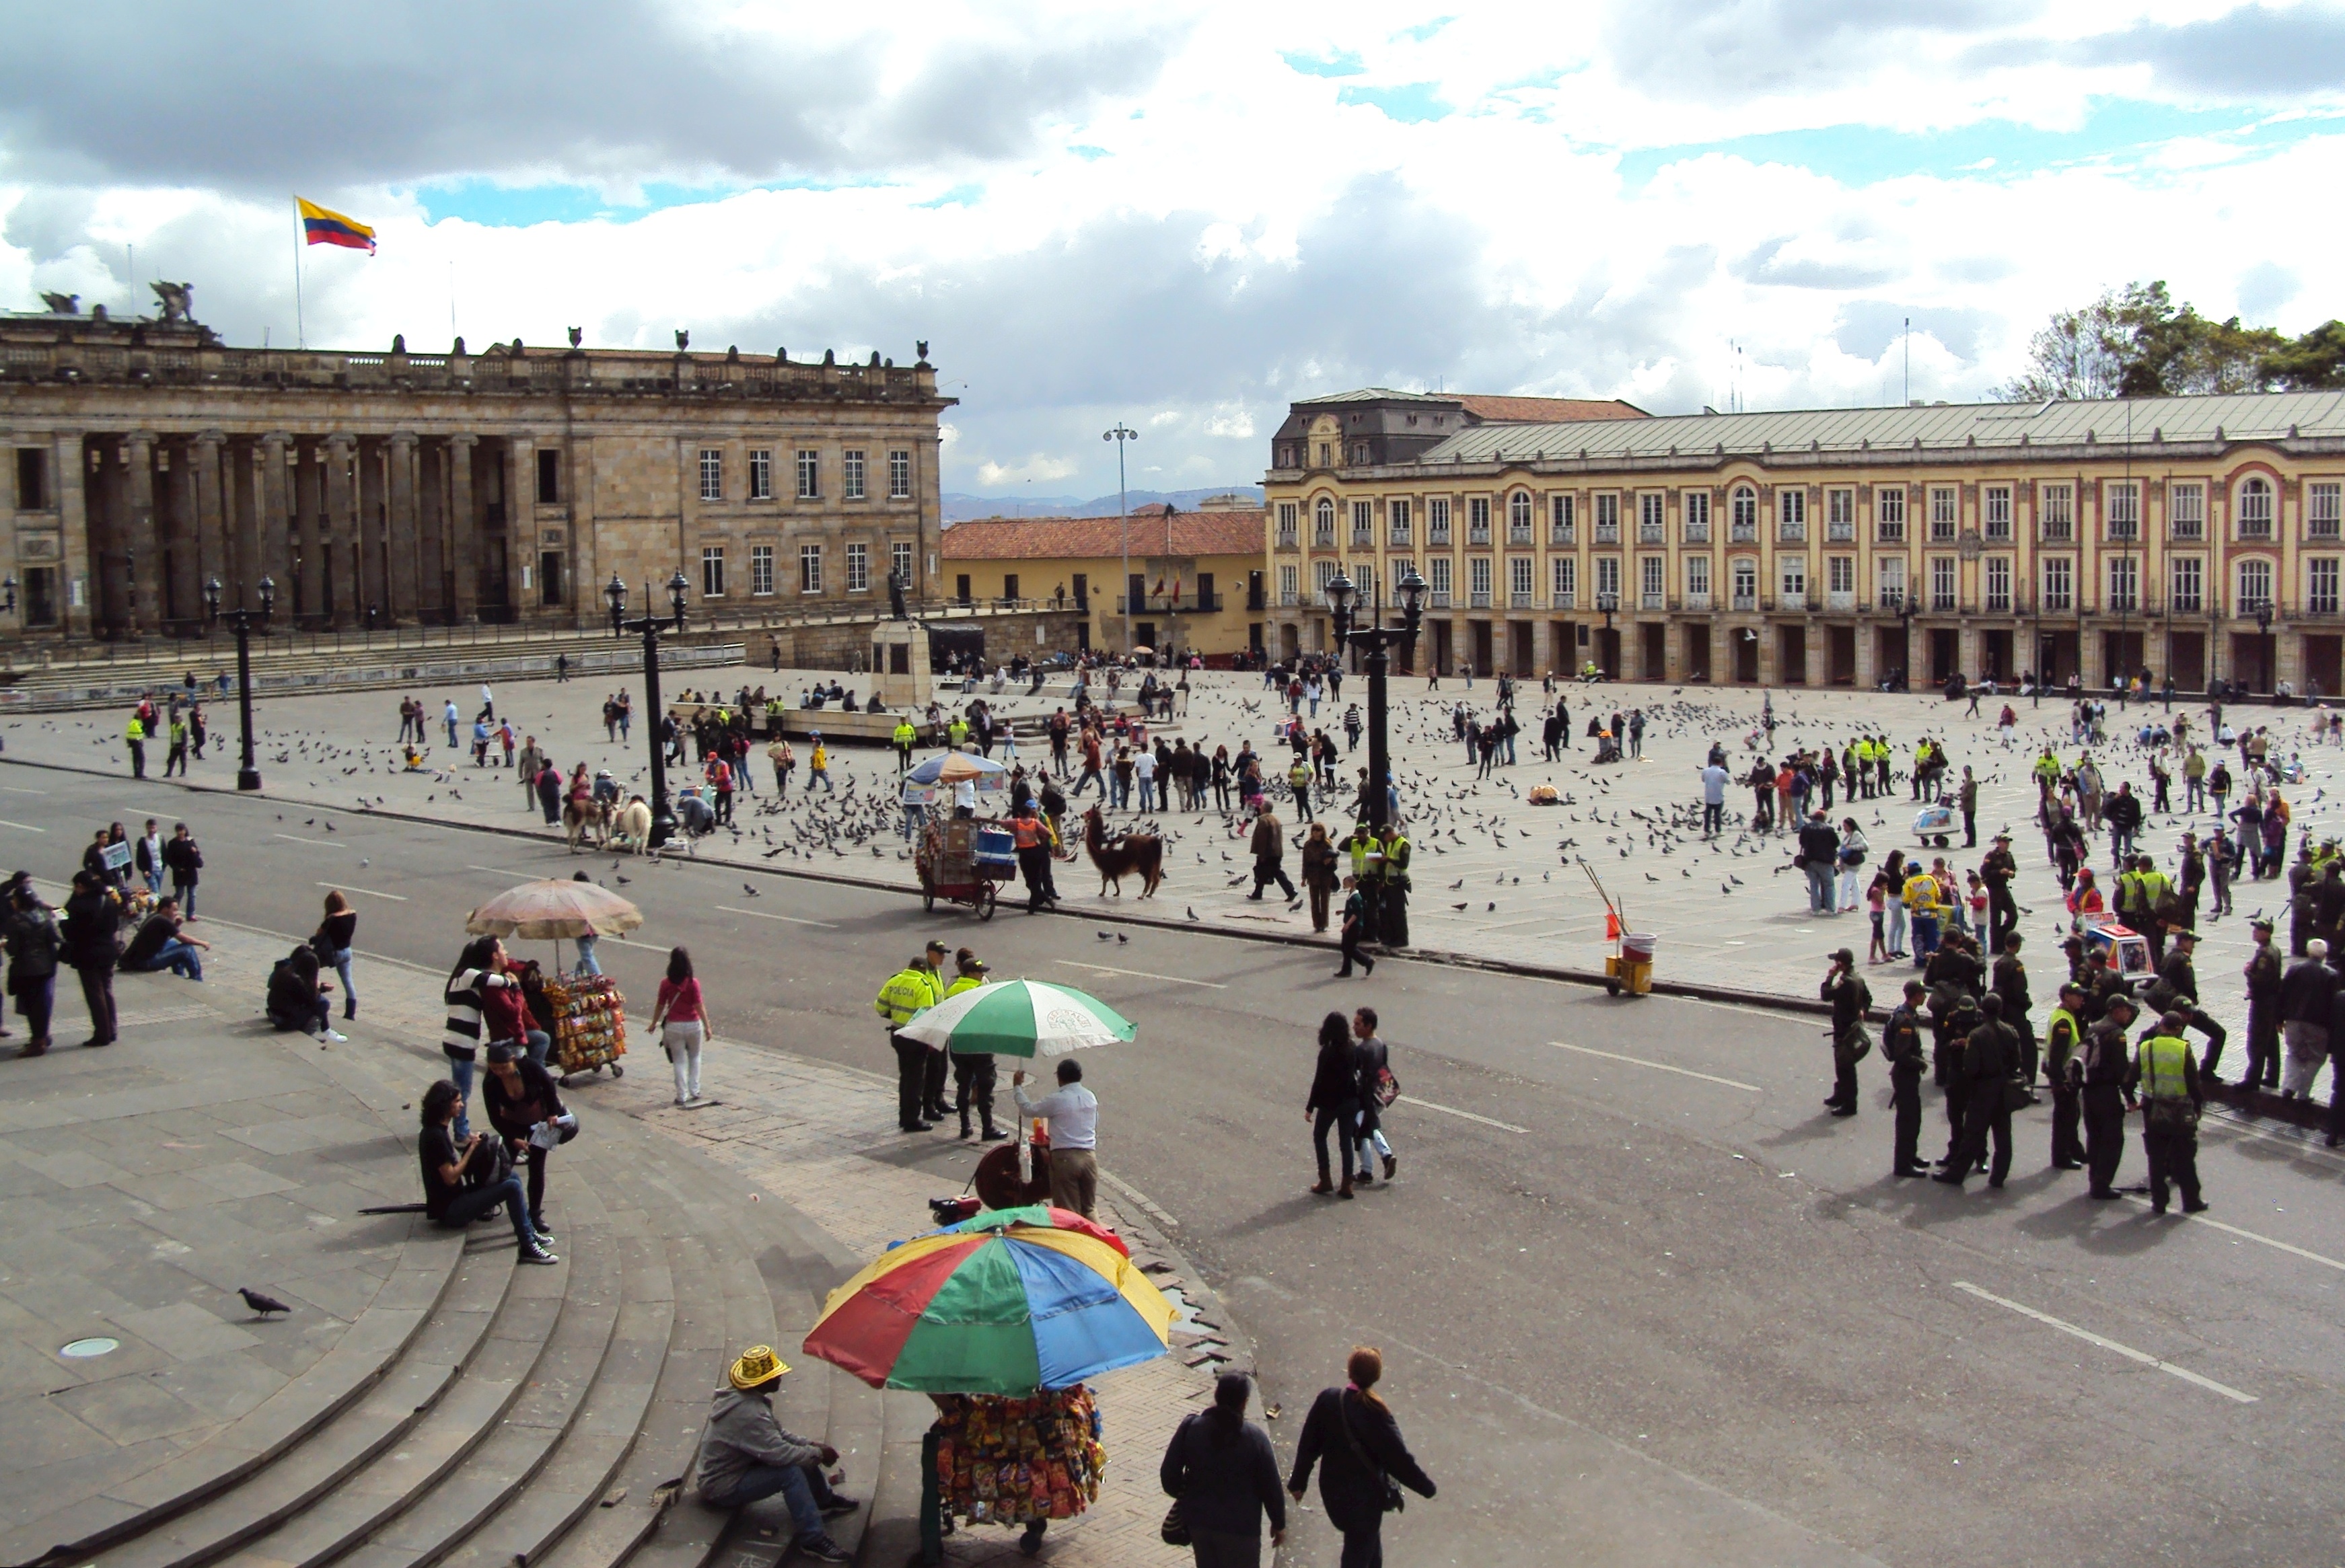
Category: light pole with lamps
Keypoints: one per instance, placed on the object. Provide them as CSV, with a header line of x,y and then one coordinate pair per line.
x,y
614,594
1376,638
242,621
1611,605
1120,435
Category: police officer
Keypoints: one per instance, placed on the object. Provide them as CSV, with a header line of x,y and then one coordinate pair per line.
x,y
2178,982
2010,983
2265,980
2064,1039
1848,998
973,1074
1367,852
1392,901
2107,1093
910,991
936,1069
1990,1060
1901,1047
2001,908
903,739
2172,1099
1953,1041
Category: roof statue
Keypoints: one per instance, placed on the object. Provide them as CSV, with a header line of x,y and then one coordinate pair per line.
x,y
62,304
177,299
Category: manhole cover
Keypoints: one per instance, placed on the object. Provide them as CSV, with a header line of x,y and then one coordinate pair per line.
x,y
81,1349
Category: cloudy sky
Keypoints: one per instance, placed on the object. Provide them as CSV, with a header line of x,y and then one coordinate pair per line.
x,y
1183,217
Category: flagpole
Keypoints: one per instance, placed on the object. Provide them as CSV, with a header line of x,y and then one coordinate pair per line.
x,y
300,333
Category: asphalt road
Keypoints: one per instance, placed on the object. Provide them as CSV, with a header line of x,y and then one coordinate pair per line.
x,y
1643,1300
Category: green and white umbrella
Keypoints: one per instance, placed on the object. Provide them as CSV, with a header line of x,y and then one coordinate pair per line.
x,y
1019,1019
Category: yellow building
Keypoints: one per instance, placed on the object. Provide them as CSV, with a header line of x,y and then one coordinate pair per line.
x,y
2195,536
1195,578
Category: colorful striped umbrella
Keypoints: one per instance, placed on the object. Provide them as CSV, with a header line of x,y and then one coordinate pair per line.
x,y
1019,1019
1007,1302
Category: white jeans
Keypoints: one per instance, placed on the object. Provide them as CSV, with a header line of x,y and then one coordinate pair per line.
x,y
682,1042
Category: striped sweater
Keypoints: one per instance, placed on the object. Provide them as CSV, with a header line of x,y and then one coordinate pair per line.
x,y
459,1037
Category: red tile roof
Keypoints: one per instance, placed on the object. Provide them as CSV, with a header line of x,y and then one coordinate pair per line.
x,y
1502,410
1083,538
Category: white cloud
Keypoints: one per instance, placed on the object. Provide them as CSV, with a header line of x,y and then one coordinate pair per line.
x,y
1167,223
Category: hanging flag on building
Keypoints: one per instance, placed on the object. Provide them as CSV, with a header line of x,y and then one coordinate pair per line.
x,y
321,227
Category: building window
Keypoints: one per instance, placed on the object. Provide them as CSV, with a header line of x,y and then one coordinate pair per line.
x,y
1518,518
1397,520
1607,578
1942,583
2121,508
2255,586
2056,512
1477,579
2256,508
1942,512
1437,521
2320,585
1607,518
1323,451
1563,577
900,476
712,474
549,477
1840,516
1360,452
2125,583
32,480
850,471
1364,533
1322,572
1477,520
809,474
2189,580
1742,515
2185,511
1694,505
858,572
1994,512
1792,579
2321,509
1653,581
1286,576
1893,582
1285,525
1998,585
1561,521
1323,525
1697,580
761,570
810,568
1840,575
1287,456
1437,580
712,571
1746,582
900,557
1521,586
761,473
1889,514
1791,513
2059,584
1652,519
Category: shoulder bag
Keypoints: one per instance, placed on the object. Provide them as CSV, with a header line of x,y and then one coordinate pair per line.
x,y
1393,1502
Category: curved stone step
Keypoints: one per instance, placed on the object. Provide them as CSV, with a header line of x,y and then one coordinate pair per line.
x,y
432,1364
382,1336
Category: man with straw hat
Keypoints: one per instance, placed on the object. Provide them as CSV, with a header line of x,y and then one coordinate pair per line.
x,y
745,1455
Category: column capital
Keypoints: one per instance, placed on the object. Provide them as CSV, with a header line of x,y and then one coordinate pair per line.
x,y
464,441
340,441
212,437
406,438
278,439
142,439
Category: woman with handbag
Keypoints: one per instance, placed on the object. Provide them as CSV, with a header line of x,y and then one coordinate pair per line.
x,y
1223,1477
526,1110
336,932
1378,1088
1352,1436
682,1018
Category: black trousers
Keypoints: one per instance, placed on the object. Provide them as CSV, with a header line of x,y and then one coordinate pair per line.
x,y
934,1072
2263,1044
973,1080
2067,1108
1338,1118
2336,1093
2031,1051
2173,1151
2103,1107
1985,1113
1958,1091
1034,864
1392,916
1351,949
2002,916
1906,1099
911,1075
97,991
2215,1040
1266,871
1843,1078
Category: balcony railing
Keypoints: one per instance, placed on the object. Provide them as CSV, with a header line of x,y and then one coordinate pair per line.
x,y
1286,539
1942,603
1438,599
1521,535
1743,533
1650,533
2256,528
1698,602
1567,599
1560,535
1163,604
1522,599
1479,599
1998,603
1697,533
1607,533
1477,535
1653,601
1289,598
1791,533
1746,601
1841,602
1889,533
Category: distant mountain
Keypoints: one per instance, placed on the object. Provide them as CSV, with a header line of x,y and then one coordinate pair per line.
x,y
960,506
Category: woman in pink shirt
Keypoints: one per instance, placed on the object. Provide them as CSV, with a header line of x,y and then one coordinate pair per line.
x,y
682,1018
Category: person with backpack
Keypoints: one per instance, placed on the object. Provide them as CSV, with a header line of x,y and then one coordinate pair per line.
x,y
1353,1439
1849,998
1223,1476
1378,1088
33,946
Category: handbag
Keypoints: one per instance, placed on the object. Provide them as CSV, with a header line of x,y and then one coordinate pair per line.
x,y
1175,1528
1385,1088
1854,1044
1393,1502
2017,1096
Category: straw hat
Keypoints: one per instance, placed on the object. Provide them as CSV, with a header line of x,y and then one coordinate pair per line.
x,y
757,1367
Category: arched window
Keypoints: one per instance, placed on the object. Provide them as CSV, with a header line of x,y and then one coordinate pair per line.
x,y
2255,508
1518,512
1322,522
1745,512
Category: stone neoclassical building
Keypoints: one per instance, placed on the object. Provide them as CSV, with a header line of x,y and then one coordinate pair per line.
x,y
144,457
2195,536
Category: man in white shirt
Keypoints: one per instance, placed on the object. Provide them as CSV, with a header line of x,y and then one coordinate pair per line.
x,y
1074,1115
1143,768
1714,780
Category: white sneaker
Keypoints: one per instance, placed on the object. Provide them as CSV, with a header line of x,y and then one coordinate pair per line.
x,y
336,1036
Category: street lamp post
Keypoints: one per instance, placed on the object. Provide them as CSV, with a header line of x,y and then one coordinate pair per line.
x,y
2265,647
242,621
1376,638
1120,435
616,594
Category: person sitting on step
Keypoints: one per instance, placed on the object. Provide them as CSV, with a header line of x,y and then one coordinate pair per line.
x,y
745,1455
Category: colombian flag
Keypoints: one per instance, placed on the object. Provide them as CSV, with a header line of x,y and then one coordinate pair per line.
x,y
321,227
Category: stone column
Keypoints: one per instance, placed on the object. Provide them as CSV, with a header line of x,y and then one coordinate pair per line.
x,y
71,463
402,601
143,545
464,528
373,513
208,553
341,526
521,522
273,558
431,530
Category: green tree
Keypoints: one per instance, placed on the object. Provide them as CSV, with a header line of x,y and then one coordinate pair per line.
x,y
2313,363
2136,342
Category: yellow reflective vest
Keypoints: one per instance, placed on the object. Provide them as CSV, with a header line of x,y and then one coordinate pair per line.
x,y
909,991
963,983
2163,1060
905,734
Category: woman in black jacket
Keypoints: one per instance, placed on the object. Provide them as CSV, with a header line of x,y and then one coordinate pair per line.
x,y
92,919
34,946
1334,1099
1221,1467
519,1096
1352,1436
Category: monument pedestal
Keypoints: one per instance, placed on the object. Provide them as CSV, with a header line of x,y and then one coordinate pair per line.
x,y
899,665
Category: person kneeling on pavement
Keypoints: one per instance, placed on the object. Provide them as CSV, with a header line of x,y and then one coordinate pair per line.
x,y
745,1455
299,999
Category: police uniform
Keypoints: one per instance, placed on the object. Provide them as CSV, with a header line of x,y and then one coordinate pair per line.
x,y
2105,1093
1392,924
2011,985
1990,1056
973,1072
1901,1047
2172,1099
908,992
2063,1036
